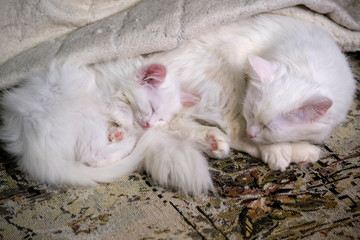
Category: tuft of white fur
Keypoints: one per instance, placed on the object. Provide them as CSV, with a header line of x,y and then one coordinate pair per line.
x,y
175,163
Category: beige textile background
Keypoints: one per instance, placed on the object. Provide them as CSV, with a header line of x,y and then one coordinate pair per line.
x,y
34,32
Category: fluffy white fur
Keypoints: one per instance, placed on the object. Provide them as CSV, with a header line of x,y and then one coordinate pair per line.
x,y
66,126
78,125
271,83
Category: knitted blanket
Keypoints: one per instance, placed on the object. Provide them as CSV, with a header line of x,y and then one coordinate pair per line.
x,y
34,32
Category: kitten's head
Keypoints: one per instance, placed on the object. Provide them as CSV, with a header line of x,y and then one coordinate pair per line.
x,y
282,106
157,98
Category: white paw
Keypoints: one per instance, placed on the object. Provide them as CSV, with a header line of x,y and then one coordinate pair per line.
x,y
277,156
305,153
218,144
119,145
116,134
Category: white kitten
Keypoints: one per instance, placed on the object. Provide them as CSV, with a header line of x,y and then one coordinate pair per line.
x,y
152,99
299,88
63,122
74,124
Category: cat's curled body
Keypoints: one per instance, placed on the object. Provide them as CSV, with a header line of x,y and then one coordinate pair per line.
x,y
273,85
57,123
78,125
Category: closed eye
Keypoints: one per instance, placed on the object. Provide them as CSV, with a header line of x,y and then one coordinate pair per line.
x,y
149,111
251,115
270,126
248,116
152,110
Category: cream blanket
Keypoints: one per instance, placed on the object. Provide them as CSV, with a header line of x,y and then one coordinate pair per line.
x,y
34,32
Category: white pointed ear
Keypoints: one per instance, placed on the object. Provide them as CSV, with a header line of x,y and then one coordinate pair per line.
x,y
153,75
313,109
262,68
188,100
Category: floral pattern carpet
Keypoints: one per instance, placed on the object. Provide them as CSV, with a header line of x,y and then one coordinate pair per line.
x,y
253,202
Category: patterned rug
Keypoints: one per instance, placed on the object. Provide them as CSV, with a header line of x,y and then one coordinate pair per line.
x,y
253,202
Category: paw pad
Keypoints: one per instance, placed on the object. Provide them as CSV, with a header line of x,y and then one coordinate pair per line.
x,y
213,142
217,145
115,135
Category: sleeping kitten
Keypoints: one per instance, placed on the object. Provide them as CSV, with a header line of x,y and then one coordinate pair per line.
x,y
272,84
153,100
72,124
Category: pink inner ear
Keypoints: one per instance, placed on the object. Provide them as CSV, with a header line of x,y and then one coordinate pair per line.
x,y
263,68
312,110
188,100
154,75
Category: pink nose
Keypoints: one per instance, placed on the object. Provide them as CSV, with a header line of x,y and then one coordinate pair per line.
x,y
252,131
144,122
250,135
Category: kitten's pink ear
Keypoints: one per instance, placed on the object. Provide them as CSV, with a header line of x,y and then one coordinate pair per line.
x,y
313,109
262,68
188,100
153,75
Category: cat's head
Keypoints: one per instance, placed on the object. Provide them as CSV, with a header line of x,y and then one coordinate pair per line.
x,y
162,98
282,106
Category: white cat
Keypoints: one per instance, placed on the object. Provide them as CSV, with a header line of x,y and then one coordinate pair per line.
x,y
273,84
72,124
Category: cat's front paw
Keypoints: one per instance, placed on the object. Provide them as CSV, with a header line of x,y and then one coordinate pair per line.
x,y
277,156
305,154
218,144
